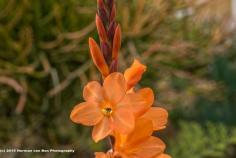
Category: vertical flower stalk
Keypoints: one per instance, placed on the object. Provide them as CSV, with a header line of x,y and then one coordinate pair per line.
x,y
115,108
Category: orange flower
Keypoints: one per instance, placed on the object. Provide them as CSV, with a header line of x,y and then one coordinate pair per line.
x,y
108,107
139,143
157,115
134,74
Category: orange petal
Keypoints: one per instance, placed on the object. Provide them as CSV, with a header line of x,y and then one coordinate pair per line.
x,y
116,43
102,129
114,87
159,117
86,113
101,29
148,96
123,120
163,156
119,154
120,140
134,74
100,155
133,102
150,148
138,102
93,92
142,131
98,57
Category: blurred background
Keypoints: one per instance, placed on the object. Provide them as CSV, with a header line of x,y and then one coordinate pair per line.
x,y
189,48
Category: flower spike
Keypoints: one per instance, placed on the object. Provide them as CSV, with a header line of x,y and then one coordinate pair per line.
x,y
98,58
107,26
114,107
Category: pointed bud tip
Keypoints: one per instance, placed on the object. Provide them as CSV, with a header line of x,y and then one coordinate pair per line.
x,y
139,64
100,2
97,16
118,27
91,40
98,57
134,73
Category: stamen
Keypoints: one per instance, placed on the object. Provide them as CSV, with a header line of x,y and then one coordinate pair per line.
x,y
107,111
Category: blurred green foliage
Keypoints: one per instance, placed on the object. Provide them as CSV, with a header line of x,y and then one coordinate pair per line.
x,y
44,63
210,130
208,141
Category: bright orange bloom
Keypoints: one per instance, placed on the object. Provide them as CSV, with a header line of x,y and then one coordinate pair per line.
x,y
157,115
134,74
98,57
138,144
108,107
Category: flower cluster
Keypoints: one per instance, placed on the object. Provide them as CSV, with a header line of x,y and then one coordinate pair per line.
x,y
115,108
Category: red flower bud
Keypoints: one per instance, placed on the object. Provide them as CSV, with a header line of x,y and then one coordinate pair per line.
x,y
101,29
116,43
98,58
113,13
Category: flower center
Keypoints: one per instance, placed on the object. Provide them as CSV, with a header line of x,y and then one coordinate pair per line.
x,y
107,111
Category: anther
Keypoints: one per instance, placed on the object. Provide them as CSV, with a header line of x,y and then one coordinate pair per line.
x,y
107,111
